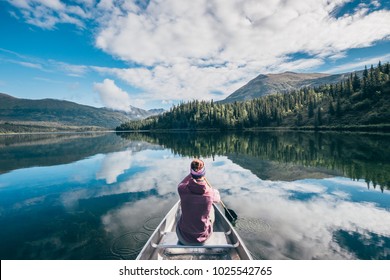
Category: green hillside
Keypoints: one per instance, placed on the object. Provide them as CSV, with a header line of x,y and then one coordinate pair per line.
x,y
357,102
25,115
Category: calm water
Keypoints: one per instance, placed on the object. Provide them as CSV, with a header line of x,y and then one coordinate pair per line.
x,y
100,196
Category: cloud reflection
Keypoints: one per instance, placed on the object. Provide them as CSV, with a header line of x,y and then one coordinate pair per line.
x,y
298,228
113,165
134,216
305,229
131,190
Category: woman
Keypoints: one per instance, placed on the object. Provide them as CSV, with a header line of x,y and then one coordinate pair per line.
x,y
195,225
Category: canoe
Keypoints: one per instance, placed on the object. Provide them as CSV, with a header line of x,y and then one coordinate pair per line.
x,y
223,244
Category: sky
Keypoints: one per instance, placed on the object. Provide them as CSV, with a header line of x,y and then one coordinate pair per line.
x,y
156,53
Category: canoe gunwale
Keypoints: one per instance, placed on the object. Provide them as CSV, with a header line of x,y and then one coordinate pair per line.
x,y
167,227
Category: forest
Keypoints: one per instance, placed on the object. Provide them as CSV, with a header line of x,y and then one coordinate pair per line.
x,y
360,102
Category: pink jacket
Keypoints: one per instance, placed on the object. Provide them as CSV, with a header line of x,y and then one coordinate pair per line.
x,y
197,199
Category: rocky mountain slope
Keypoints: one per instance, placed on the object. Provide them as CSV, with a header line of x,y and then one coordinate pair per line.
x,y
278,83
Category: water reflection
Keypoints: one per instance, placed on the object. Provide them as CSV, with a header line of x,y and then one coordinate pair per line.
x,y
132,227
28,150
293,201
114,164
306,228
290,155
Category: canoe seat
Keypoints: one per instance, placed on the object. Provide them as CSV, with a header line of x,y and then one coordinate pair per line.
x,y
216,240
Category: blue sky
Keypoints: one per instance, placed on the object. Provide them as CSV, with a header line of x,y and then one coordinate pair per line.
x,y
152,54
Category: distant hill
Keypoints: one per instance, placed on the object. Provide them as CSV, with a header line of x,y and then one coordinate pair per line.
x,y
138,113
57,113
279,83
155,111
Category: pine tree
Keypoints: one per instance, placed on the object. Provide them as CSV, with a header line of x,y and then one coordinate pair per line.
x,y
310,110
386,69
355,82
338,107
318,118
331,110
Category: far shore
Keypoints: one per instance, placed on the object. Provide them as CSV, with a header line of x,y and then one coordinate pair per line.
x,y
378,128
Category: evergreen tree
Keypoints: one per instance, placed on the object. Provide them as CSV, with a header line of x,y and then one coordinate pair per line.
x,y
310,109
318,118
331,110
355,82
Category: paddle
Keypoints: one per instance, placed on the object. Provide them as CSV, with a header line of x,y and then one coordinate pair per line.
x,y
229,213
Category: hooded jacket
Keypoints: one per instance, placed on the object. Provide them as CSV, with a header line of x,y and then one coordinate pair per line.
x,y
197,199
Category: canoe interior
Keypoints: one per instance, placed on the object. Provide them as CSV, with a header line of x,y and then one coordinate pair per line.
x,y
224,244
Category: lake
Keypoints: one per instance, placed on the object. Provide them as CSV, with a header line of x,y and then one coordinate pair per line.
x,y
298,195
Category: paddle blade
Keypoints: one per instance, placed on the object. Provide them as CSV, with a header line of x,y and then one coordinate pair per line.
x,y
230,215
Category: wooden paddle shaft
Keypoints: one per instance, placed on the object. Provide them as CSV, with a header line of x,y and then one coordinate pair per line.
x,y
223,204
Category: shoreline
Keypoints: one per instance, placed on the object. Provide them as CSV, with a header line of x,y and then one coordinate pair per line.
x,y
382,128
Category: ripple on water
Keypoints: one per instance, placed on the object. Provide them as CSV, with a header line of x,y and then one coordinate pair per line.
x,y
252,225
129,244
152,223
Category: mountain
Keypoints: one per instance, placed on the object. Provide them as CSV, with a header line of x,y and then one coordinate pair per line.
x,y
52,112
153,112
137,113
278,83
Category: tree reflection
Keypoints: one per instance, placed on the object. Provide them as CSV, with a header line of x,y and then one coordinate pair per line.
x,y
357,156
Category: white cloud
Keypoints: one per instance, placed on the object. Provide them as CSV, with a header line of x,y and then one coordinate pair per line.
x,y
47,13
180,81
112,96
45,65
29,64
190,49
299,64
194,48
70,69
359,64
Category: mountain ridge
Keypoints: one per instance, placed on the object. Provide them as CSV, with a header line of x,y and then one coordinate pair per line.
x,y
265,84
63,113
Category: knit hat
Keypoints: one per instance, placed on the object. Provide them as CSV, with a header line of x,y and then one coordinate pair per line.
x,y
197,169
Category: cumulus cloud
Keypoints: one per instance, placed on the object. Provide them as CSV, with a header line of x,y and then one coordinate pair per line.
x,y
112,96
192,49
239,32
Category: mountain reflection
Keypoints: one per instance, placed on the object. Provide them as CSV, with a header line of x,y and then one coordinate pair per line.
x,y
357,156
28,150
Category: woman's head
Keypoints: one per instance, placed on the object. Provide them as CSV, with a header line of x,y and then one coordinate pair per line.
x,y
197,169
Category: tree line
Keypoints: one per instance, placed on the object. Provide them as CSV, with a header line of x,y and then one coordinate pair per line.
x,y
360,99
